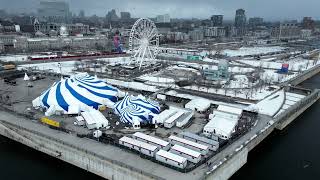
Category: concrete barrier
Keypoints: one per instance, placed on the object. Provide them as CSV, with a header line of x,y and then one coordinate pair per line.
x,y
284,119
81,158
230,166
303,76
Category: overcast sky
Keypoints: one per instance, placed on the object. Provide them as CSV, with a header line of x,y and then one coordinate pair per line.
x,y
268,9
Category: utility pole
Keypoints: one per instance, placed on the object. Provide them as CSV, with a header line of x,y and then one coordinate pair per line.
x,y
60,67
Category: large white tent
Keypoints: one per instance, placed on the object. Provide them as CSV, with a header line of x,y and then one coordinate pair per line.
x,y
76,94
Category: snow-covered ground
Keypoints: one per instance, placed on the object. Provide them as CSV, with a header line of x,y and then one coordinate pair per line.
x,y
243,51
157,79
239,81
18,58
13,58
191,97
253,94
240,70
66,67
183,68
291,99
270,76
120,60
236,88
294,64
132,85
270,105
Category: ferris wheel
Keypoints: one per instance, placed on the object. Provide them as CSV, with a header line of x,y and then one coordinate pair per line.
x,y
143,41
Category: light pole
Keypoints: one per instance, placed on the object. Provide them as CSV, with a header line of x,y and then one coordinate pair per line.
x,y
60,67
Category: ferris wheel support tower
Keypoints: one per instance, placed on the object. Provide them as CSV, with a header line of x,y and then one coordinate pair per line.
x,y
143,41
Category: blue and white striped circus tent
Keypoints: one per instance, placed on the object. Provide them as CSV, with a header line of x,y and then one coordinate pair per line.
x,y
76,94
132,108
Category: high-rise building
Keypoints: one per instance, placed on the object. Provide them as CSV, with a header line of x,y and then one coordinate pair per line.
x,y
214,32
125,15
255,21
112,15
196,35
216,20
308,23
286,30
3,13
240,22
56,12
82,14
163,18
1,47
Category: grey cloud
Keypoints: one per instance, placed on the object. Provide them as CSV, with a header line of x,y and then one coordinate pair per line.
x,y
269,9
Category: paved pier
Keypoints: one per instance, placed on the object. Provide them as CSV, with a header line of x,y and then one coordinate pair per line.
x,y
111,162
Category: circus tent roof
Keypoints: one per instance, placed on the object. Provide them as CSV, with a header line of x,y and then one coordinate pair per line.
x,y
136,108
76,94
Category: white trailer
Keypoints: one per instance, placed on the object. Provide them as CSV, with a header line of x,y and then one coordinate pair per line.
x,y
161,144
161,97
220,127
191,155
184,119
90,122
160,118
171,159
80,121
169,123
212,144
189,144
139,146
94,119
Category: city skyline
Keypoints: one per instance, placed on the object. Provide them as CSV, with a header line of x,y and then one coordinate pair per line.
x,y
272,10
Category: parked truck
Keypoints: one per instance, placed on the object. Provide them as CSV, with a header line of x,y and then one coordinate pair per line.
x,y
7,67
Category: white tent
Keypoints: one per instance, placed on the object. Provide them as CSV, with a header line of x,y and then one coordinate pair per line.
x,y
199,104
26,77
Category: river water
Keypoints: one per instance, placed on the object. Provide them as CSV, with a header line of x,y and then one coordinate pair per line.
x,y
290,154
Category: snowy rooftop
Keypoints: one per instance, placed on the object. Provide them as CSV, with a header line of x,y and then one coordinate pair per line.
x,y
270,105
199,104
230,109
222,124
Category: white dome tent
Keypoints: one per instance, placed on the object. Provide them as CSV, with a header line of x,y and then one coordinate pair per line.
x,y
76,94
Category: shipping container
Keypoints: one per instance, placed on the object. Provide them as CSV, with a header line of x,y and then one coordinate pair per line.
x,y
139,146
171,159
212,144
191,155
50,122
184,119
152,140
169,123
189,144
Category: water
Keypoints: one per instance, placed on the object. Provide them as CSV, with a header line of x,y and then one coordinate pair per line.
x,y
290,154
293,153
20,162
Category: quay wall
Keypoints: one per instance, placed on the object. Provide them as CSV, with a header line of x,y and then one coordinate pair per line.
x,y
235,161
81,158
303,76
